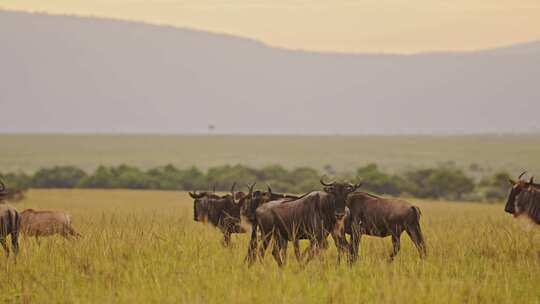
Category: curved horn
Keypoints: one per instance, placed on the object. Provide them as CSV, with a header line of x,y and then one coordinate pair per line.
x,y
232,192
196,195
325,184
269,189
531,180
250,188
356,186
521,175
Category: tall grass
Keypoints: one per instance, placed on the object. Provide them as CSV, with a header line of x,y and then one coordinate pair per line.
x,y
144,247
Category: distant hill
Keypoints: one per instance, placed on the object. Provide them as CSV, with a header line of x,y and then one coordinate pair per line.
x,y
75,74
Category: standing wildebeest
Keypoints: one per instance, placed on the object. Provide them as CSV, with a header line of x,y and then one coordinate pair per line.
x,y
44,223
312,216
524,199
221,211
377,216
249,204
10,223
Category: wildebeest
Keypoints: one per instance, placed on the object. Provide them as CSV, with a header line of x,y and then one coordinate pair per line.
x,y
312,217
249,204
10,222
221,211
377,216
39,223
524,199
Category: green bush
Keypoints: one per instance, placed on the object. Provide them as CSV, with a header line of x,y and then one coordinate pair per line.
x,y
58,177
443,182
374,180
494,188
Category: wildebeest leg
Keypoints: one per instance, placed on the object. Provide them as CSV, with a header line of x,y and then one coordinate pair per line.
x,y
276,250
354,246
341,244
284,245
297,254
415,233
252,249
226,238
396,245
15,242
265,242
313,250
4,244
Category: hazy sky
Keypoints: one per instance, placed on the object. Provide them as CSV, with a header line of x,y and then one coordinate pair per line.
x,y
329,25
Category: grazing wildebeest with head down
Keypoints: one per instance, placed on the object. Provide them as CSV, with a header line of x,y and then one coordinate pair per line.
x,y
221,211
312,216
377,216
524,199
10,223
45,223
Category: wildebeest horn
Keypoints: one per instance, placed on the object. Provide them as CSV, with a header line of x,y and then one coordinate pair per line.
x,y
531,180
250,188
356,186
232,192
325,184
196,195
269,189
521,175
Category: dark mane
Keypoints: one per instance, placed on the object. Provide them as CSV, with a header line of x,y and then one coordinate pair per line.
x,y
529,203
368,194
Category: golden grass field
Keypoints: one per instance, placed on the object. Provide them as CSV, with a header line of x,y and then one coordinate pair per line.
x,y
512,153
144,247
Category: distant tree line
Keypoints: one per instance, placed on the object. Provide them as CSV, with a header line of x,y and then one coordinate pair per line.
x,y
443,182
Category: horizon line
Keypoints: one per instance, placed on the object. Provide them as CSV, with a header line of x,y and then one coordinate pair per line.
x,y
268,45
207,134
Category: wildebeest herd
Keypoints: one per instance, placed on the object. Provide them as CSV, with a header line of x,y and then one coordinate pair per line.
x,y
339,209
275,219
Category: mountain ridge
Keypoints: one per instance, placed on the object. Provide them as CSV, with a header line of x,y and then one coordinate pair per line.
x,y
97,75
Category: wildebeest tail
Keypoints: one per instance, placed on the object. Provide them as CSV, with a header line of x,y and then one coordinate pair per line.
x,y
14,221
417,212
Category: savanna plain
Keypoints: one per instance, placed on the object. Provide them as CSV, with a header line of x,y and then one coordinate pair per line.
x,y
143,246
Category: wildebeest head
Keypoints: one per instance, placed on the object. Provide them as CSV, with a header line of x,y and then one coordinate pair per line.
x,y
339,191
200,204
250,202
3,190
517,187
